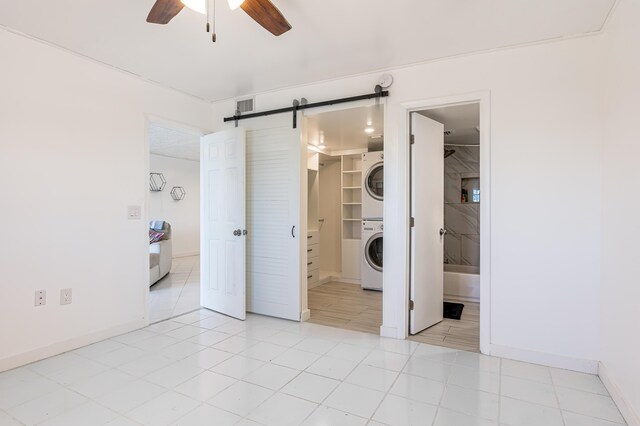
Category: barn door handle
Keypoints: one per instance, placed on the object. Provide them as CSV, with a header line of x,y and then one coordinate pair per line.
x,y
292,229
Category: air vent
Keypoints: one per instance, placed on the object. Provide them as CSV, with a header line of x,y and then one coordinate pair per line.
x,y
448,132
245,105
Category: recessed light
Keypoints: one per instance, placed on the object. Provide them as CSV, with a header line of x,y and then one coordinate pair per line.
x,y
369,130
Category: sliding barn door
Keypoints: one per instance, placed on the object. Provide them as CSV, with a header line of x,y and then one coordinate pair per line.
x,y
274,217
222,220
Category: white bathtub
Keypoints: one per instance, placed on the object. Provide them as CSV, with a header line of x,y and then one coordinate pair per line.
x,y
462,282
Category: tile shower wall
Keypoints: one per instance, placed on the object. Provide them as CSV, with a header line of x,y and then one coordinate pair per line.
x,y
462,214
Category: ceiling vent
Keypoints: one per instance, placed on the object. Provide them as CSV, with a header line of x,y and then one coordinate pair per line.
x,y
245,105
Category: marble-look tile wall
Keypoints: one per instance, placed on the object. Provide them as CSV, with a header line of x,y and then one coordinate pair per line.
x,y
462,218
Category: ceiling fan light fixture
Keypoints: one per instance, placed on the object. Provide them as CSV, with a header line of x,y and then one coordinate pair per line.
x,y
196,5
234,4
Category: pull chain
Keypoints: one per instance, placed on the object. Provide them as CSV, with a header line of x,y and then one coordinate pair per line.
x,y
213,8
208,13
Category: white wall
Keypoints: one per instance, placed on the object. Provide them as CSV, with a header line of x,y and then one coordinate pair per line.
x,y
330,205
73,156
546,129
621,223
184,215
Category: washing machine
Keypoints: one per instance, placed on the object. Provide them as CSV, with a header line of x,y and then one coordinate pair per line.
x,y
372,185
371,271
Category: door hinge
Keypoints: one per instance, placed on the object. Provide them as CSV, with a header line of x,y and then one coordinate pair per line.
x,y
411,305
412,139
412,222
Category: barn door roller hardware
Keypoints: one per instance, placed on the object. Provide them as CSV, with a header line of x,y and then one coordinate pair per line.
x,y
302,105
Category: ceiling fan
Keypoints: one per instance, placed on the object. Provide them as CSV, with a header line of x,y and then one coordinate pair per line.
x,y
263,12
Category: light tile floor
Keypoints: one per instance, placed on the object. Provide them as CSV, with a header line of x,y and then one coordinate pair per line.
x,y
178,292
207,369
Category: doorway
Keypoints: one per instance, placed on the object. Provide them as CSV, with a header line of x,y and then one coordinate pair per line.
x,y
173,207
345,196
447,183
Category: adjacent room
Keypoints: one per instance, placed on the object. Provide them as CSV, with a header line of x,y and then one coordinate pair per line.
x,y
453,184
345,217
174,221
275,212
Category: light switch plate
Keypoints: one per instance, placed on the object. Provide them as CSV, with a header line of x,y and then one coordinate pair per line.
x,y
134,212
65,296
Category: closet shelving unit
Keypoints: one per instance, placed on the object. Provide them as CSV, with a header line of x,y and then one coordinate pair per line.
x,y
351,215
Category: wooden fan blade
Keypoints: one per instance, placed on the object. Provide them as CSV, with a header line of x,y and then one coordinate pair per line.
x,y
266,14
163,11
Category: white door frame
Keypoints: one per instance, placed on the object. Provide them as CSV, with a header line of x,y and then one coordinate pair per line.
x,y
484,99
170,124
304,198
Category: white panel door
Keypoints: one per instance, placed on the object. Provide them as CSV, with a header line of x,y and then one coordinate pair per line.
x,y
222,220
274,218
427,209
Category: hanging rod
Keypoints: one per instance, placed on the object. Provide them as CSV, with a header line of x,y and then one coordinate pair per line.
x,y
458,144
297,106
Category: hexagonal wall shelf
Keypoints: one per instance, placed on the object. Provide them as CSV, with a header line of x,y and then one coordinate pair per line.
x,y
157,182
178,193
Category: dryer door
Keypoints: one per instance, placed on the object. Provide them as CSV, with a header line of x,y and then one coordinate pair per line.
x,y
374,181
373,251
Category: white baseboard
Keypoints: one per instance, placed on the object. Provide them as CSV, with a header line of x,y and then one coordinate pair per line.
x,y
461,298
326,278
187,254
68,345
346,281
390,332
550,360
333,279
627,411
305,315
317,283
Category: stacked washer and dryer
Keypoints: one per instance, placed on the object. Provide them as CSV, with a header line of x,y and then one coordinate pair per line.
x,y
372,219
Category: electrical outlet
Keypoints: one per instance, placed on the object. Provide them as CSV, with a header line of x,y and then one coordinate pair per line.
x,y
41,298
65,296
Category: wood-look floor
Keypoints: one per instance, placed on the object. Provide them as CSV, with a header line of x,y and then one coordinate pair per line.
x,y
457,334
348,306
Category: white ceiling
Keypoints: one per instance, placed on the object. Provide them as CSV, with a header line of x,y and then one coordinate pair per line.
x,y
173,143
329,39
344,130
462,121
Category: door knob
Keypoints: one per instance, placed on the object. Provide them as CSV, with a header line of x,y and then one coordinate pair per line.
x,y
237,232
443,232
